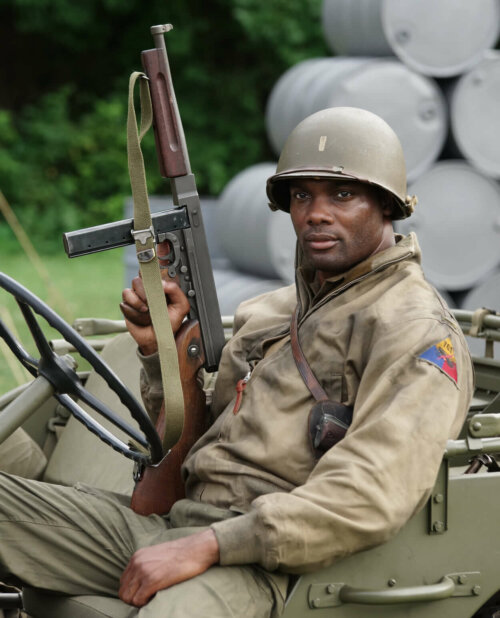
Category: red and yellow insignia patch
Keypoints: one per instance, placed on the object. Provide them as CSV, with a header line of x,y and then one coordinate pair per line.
x,y
442,355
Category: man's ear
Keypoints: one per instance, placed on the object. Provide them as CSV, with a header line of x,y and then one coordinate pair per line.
x,y
387,204
387,210
385,200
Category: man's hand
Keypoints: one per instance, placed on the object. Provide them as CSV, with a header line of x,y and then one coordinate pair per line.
x,y
160,566
136,312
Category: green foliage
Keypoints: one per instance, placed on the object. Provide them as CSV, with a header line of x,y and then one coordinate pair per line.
x,y
71,172
291,29
72,296
62,132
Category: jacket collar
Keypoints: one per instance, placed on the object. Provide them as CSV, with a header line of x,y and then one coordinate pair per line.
x,y
308,293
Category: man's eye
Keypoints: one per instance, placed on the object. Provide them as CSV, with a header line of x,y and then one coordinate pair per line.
x,y
300,195
344,194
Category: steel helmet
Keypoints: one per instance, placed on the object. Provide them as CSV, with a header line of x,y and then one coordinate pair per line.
x,y
343,142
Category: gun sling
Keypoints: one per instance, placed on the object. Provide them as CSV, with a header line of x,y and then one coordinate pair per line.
x,y
149,265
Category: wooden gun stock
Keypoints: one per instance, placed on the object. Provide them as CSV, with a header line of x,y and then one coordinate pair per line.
x,y
161,484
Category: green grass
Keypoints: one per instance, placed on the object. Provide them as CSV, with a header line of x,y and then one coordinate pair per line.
x,y
88,286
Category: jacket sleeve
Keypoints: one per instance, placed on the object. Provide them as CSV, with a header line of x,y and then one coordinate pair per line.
x,y
151,384
364,489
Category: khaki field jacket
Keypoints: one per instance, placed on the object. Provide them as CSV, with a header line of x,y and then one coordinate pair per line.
x,y
379,339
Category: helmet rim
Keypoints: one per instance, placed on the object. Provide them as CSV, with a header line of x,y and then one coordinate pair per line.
x,y
345,143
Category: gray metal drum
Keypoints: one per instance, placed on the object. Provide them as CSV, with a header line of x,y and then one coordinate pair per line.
x,y
256,240
233,287
290,98
448,299
441,37
457,221
487,294
354,28
475,117
412,104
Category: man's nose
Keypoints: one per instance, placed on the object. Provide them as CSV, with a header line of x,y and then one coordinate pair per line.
x,y
320,211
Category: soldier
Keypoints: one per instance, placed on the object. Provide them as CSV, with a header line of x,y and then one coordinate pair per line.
x,y
273,488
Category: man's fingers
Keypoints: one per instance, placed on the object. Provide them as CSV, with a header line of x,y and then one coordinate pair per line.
x,y
139,318
131,298
136,311
138,288
128,586
137,584
175,296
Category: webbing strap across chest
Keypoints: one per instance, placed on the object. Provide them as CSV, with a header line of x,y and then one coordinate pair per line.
x,y
305,370
328,420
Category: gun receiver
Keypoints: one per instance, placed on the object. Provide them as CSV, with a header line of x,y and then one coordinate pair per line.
x,y
188,261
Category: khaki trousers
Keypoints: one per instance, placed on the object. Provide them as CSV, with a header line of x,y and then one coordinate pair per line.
x,y
21,455
78,540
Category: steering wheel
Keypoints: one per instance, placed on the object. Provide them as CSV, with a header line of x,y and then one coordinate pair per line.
x,y
66,383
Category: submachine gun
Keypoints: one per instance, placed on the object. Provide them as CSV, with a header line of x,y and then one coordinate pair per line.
x,y
187,261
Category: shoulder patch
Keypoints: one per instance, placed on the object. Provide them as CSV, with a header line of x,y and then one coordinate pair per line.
x,y
442,355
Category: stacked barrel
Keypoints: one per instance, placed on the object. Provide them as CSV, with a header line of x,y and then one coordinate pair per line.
x,y
427,68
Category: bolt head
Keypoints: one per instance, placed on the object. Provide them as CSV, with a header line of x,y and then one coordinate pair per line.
x,y
438,526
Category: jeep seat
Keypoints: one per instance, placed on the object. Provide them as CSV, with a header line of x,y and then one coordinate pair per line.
x,y
79,456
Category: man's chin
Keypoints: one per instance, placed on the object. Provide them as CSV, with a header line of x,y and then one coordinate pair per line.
x,y
330,267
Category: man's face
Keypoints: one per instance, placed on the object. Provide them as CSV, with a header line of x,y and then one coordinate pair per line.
x,y
338,223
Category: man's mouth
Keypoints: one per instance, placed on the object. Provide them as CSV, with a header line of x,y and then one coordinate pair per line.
x,y
320,242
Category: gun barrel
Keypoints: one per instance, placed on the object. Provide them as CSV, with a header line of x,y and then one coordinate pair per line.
x,y
119,233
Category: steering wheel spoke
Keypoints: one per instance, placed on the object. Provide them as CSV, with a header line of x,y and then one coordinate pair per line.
x,y
26,360
65,380
103,410
36,332
104,434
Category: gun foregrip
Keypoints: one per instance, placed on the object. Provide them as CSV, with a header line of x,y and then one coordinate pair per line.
x,y
167,132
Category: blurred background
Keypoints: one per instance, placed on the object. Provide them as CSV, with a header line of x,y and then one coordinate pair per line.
x,y
245,73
